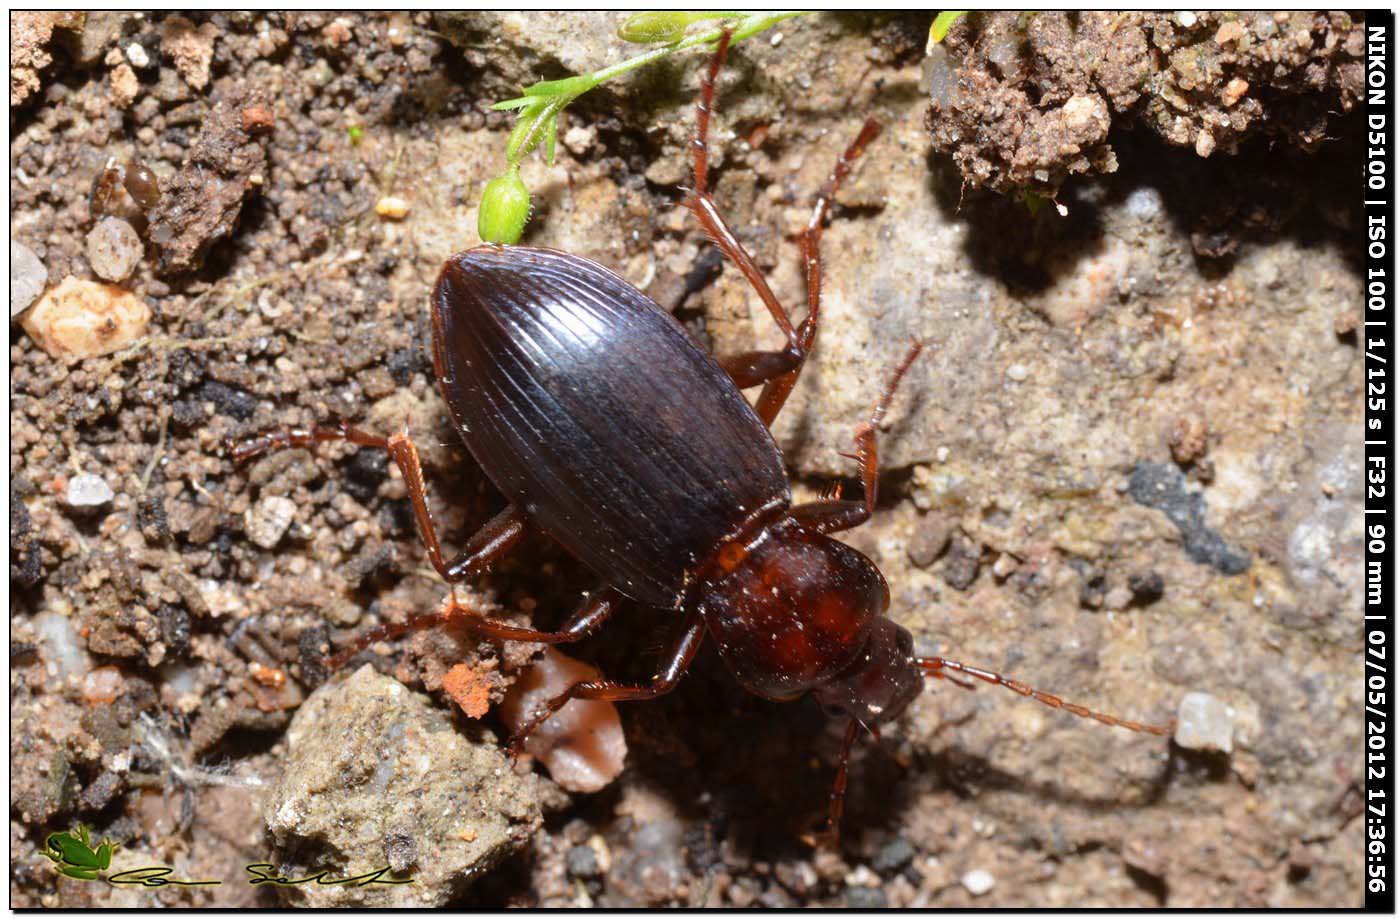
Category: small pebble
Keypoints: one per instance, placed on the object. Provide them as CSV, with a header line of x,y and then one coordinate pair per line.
x,y
138,56
391,208
862,876
27,278
1234,91
1186,18
978,882
893,855
1118,598
582,862
929,540
258,119
1018,372
113,249
866,898
103,686
1147,587
81,319
1203,722
88,490
267,521
1205,144
1004,566
59,643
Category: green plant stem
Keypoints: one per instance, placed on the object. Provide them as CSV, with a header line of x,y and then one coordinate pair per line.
x,y
542,102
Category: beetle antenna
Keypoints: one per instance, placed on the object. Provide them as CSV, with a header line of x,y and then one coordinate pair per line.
x,y
937,667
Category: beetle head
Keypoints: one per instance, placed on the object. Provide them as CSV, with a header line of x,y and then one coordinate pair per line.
x,y
881,682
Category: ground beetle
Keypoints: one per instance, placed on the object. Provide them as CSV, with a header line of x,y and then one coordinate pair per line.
x,y
608,428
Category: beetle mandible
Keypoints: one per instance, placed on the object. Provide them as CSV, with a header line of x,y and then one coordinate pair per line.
x,y
610,429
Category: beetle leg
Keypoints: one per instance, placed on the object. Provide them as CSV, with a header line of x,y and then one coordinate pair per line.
x,y
752,367
777,369
674,665
584,622
487,546
835,516
830,836
775,394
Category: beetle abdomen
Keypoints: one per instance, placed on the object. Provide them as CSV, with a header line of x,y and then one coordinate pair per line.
x,y
598,415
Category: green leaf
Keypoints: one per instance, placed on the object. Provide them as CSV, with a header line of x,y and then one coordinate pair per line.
x,y
571,86
551,136
942,23
518,102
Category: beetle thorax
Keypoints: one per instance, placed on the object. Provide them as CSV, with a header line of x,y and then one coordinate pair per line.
x,y
792,610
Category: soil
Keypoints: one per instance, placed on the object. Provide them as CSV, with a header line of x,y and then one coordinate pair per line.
x,y
1126,470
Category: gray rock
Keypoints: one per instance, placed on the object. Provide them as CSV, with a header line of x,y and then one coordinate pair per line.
x,y
574,42
1203,722
893,855
1164,487
964,558
27,278
582,862
88,490
930,539
376,774
113,249
866,898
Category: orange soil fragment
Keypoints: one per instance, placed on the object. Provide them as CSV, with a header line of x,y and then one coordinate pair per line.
x,y
469,689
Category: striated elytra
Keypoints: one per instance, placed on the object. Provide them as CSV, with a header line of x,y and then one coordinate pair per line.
x,y
598,415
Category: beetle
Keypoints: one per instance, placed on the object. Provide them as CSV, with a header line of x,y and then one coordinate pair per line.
x,y
610,429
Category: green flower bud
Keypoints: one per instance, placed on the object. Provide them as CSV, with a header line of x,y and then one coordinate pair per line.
x,y
505,207
659,26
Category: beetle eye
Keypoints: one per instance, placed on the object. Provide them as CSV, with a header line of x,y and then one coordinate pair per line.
x,y
905,642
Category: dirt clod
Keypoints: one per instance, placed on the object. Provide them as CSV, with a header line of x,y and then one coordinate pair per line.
x,y
1024,100
200,205
361,742
191,47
